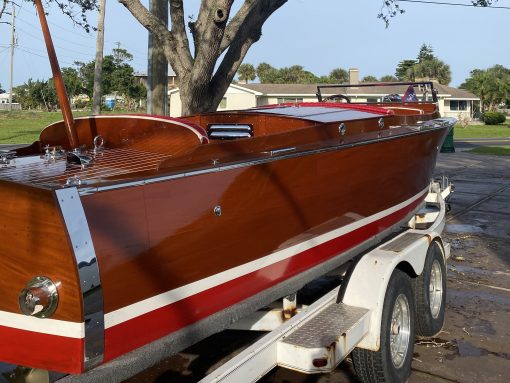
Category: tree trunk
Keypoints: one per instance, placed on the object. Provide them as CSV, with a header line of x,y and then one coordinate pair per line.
x,y
157,71
98,69
218,38
193,99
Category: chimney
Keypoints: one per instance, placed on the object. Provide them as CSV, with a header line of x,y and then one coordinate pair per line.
x,y
353,76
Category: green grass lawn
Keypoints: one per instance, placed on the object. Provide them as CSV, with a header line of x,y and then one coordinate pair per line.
x,y
492,150
23,127
483,131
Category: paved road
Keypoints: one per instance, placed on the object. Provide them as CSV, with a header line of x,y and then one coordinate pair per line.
x,y
468,143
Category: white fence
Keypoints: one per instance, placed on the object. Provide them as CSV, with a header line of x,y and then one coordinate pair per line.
x,y
15,106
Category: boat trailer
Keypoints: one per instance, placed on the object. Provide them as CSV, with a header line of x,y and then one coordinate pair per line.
x,y
323,334
368,317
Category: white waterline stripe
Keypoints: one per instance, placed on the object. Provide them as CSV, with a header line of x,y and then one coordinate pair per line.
x,y
150,304
42,325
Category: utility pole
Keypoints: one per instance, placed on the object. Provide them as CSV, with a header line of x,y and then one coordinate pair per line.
x,y
98,69
157,71
13,40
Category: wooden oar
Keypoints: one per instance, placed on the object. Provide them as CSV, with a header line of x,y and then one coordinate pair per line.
x,y
72,136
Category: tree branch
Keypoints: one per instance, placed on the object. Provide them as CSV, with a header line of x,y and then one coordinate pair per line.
x,y
180,62
236,23
210,31
248,31
178,28
241,18
3,8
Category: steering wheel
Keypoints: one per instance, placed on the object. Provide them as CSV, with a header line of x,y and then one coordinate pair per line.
x,y
329,98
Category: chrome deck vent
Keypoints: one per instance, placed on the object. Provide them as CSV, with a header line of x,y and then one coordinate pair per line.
x,y
229,131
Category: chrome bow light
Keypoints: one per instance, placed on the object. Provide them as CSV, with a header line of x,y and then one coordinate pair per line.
x,y
39,298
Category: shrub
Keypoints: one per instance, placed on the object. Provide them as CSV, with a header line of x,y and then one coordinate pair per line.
x,y
81,104
493,118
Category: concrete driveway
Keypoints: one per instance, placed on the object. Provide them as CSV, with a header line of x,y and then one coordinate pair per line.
x,y
474,345
469,143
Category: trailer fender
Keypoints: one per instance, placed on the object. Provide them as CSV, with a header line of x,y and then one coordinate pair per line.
x,y
368,282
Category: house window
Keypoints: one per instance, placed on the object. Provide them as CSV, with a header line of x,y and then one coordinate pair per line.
x,y
223,103
284,100
458,105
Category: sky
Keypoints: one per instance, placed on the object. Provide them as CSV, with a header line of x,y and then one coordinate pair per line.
x,y
320,35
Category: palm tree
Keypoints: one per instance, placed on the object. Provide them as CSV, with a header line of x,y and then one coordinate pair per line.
x,y
431,69
246,72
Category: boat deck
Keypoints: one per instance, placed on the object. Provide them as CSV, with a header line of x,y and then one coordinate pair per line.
x,y
53,171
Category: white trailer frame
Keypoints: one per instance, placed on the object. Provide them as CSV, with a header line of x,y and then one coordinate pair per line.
x,y
321,335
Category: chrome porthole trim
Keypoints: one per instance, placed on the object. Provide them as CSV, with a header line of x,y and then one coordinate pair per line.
x,y
39,298
88,271
380,122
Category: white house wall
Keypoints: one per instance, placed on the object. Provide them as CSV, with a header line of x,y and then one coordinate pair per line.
x,y
235,99
239,100
457,113
175,104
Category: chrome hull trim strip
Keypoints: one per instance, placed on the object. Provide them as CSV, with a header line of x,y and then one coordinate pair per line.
x,y
269,158
88,271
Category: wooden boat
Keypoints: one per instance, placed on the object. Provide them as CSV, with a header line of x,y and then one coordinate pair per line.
x,y
118,231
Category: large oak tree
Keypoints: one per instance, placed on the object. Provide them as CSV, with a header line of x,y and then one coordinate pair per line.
x,y
220,42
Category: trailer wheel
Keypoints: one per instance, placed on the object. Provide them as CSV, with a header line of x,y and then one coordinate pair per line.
x,y
392,363
430,293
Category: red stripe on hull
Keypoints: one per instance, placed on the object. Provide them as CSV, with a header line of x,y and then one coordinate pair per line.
x,y
148,327
48,352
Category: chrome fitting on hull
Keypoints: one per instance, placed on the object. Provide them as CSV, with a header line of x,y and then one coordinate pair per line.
x,y
39,298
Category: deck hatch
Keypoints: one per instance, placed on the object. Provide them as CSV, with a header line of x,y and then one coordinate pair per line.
x,y
229,131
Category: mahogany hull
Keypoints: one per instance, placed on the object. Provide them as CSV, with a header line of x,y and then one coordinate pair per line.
x,y
172,249
270,209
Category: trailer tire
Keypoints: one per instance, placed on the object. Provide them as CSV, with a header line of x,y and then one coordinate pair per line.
x,y
430,293
392,363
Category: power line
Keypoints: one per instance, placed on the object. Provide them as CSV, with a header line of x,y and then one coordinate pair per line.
x,y
43,52
453,4
59,26
56,46
87,36
56,37
41,56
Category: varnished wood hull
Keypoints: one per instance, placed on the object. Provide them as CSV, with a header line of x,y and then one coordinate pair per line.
x,y
278,220
195,240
